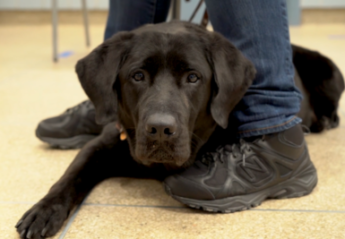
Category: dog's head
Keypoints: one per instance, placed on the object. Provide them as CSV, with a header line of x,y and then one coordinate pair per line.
x,y
168,84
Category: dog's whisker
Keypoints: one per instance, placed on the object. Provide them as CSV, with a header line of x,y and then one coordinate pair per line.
x,y
196,138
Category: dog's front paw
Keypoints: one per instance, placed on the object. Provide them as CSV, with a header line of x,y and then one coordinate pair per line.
x,y
44,219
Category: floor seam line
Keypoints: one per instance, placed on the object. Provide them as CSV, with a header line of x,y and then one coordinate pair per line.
x,y
253,209
298,210
69,223
124,205
71,220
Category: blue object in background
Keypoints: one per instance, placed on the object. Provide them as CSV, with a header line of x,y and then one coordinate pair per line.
x,y
65,54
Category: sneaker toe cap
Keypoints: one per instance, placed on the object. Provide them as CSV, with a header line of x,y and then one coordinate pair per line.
x,y
177,185
52,127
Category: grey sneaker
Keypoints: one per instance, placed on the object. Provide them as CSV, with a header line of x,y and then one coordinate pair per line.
x,y
240,176
72,129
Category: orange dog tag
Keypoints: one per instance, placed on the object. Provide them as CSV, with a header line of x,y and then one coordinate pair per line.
x,y
123,135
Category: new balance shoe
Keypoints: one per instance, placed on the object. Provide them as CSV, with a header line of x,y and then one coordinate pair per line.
x,y
72,129
240,176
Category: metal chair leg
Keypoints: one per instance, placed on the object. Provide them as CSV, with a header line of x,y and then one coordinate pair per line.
x,y
176,12
196,10
55,32
86,23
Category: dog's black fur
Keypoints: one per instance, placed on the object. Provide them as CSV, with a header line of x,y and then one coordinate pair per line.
x,y
179,72
322,84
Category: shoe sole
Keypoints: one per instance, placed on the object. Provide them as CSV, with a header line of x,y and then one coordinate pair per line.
x,y
75,142
294,187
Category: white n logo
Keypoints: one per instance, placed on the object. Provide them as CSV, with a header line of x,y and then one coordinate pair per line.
x,y
254,165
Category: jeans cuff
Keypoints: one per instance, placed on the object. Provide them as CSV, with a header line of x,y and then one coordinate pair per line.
x,y
275,127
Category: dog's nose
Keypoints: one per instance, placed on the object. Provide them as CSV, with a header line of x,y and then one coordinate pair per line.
x,y
161,126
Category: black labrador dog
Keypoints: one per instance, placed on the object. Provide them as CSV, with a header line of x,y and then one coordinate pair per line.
x,y
169,86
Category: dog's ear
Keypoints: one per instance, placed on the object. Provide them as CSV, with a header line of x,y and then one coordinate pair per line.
x,y
97,73
232,73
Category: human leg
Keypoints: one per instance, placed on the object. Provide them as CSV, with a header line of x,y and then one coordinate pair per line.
x,y
128,15
260,30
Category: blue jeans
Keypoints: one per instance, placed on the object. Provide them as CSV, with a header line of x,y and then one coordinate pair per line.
x,y
259,29
126,15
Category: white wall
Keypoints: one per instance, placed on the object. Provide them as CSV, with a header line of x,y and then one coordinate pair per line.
x,y
322,3
103,4
46,4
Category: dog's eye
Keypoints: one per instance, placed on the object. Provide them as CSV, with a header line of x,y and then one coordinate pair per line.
x,y
192,78
139,76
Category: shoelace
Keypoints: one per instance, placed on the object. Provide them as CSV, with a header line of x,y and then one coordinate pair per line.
x,y
85,103
236,150
240,149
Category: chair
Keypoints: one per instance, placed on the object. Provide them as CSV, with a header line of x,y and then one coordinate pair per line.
x,y
176,5
204,19
55,26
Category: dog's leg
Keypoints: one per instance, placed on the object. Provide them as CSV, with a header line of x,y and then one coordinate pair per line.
x,y
104,157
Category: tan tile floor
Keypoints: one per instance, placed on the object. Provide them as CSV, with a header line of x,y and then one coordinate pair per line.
x,y
32,87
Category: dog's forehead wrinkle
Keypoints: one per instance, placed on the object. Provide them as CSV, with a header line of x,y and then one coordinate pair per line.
x,y
155,40
151,41
169,51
